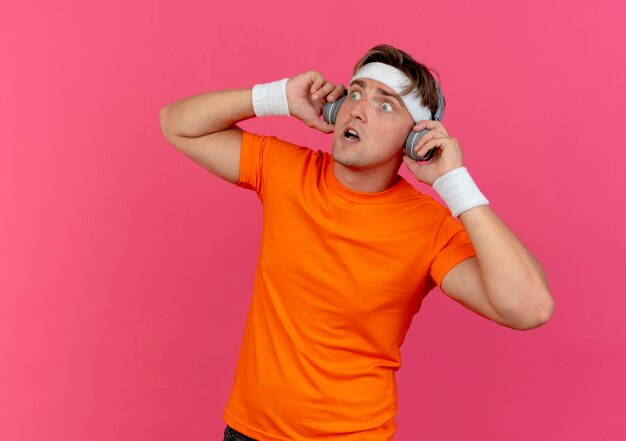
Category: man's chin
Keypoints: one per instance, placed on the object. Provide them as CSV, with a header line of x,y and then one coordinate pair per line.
x,y
348,162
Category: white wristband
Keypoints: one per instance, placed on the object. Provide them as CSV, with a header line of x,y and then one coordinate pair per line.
x,y
459,192
270,99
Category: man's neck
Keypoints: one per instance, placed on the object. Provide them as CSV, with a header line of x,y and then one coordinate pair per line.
x,y
365,180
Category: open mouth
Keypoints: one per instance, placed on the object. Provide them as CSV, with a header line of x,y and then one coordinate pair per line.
x,y
351,135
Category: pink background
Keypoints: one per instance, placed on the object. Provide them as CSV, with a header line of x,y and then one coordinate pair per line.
x,y
126,269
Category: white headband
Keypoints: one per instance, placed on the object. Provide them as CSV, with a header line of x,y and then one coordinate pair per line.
x,y
398,82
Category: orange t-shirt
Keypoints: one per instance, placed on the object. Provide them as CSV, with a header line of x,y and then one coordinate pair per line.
x,y
340,275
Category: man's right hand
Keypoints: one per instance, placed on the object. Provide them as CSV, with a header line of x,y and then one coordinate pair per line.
x,y
203,127
306,95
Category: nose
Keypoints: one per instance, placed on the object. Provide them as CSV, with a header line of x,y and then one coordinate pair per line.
x,y
358,111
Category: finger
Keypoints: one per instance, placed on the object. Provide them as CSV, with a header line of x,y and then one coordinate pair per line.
x,y
410,162
321,125
415,167
431,144
432,134
337,92
424,172
317,80
323,91
430,125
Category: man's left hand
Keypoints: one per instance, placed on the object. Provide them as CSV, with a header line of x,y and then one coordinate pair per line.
x,y
447,157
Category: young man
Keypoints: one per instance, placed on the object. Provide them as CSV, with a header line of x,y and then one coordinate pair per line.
x,y
349,248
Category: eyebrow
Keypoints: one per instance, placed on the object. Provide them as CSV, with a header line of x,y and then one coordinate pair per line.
x,y
381,91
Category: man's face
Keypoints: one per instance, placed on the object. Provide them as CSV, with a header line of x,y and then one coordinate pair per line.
x,y
372,125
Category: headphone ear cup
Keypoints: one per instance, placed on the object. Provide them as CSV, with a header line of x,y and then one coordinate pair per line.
x,y
411,142
413,138
332,109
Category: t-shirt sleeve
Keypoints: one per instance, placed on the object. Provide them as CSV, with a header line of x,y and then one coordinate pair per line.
x,y
451,246
259,156
251,161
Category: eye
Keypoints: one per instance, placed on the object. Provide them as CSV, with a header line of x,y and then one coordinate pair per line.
x,y
355,95
386,107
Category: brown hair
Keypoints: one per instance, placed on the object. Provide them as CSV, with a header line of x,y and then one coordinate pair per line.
x,y
420,75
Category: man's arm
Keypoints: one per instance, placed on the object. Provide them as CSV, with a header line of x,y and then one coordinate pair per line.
x,y
203,127
504,282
